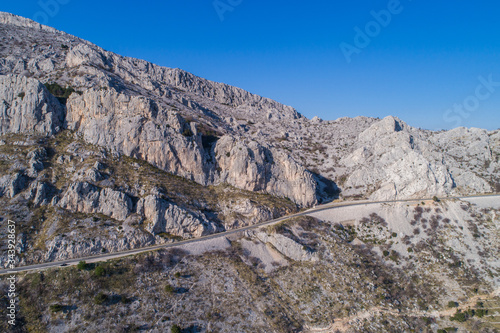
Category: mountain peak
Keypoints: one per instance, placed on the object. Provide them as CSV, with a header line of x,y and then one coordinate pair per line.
x,y
16,20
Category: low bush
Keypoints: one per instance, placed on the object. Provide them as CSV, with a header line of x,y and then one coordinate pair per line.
x,y
169,289
100,298
56,307
99,271
81,265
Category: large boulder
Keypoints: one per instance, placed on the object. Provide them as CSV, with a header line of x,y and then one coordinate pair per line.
x,y
84,197
165,217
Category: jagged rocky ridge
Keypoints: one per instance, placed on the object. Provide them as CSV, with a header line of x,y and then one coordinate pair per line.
x,y
203,131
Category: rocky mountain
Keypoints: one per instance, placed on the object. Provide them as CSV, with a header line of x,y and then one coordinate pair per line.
x,y
101,153
56,85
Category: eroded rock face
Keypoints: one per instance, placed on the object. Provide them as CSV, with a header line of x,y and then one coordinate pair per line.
x,y
41,193
397,162
27,107
136,127
165,217
253,167
86,198
11,185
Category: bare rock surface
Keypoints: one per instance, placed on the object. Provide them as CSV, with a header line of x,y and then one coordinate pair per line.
x,y
87,198
27,107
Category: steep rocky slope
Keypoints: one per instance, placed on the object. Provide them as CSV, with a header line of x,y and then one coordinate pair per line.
x,y
102,153
66,104
372,273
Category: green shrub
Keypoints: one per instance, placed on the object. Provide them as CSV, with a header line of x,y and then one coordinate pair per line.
x,y
21,95
81,265
99,271
177,274
481,313
169,289
59,92
175,329
386,253
100,298
436,199
56,307
451,329
459,316
452,304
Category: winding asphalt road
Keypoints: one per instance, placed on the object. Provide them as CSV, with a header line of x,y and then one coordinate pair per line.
x,y
115,255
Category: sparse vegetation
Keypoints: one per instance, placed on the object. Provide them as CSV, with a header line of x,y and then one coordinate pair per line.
x,y
59,92
175,329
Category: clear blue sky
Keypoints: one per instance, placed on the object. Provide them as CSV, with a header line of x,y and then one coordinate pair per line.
x,y
417,67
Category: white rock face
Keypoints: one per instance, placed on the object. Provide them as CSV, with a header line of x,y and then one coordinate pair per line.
x,y
135,126
27,107
11,19
87,198
398,162
255,168
138,127
11,185
165,217
287,247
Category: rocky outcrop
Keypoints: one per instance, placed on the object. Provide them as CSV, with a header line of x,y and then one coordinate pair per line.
x,y
250,166
165,217
86,198
137,127
287,247
27,107
395,161
11,185
11,19
40,193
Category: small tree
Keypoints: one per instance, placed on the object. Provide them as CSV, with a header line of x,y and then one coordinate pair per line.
x,y
100,298
81,265
452,304
436,199
175,329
